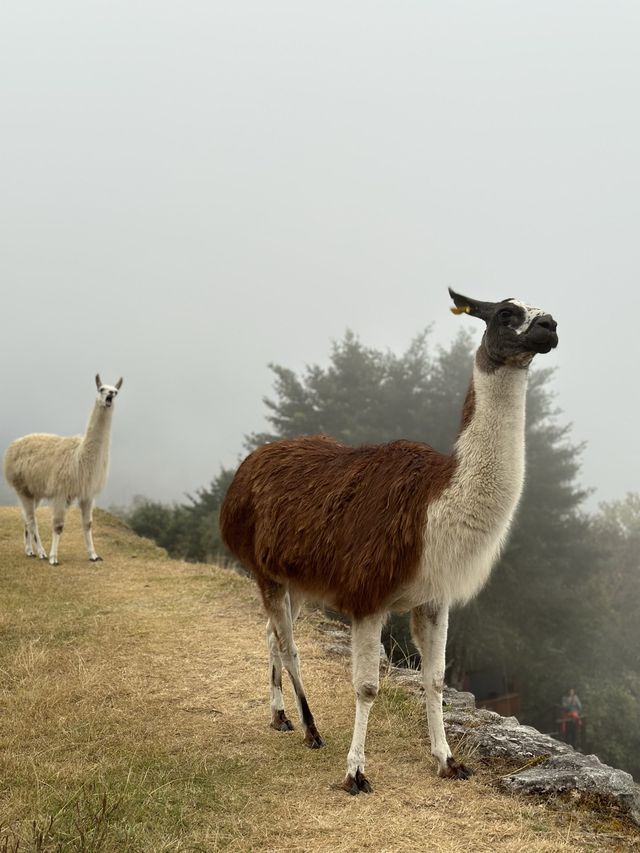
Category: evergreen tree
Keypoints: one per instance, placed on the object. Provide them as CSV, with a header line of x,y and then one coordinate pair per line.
x,y
611,691
189,531
166,525
369,396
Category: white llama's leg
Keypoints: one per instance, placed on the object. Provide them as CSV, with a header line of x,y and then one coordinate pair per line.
x,y
279,720
58,510
86,508
365,664
278,607
429,630
31,537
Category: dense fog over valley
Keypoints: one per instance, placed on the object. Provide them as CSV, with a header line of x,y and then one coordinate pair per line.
x,y
191,193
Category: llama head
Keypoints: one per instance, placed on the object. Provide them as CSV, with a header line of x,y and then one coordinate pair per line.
x,y
515,331
107,393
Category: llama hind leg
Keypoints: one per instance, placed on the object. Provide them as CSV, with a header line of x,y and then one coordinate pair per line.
x,y
31,535
86,509
279,720
58,510
278,606
429,631
365,662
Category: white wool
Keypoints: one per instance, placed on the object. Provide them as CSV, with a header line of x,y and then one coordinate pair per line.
x,y
468,524
47,466
61,470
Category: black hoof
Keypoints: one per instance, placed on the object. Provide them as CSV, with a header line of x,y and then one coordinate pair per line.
x,y
54,563
453,770
313,740
357,784
95,559
31,556
281,723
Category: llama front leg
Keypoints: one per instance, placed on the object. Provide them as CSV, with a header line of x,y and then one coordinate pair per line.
x,y
31,534
58,510
86,508
365,663
429,630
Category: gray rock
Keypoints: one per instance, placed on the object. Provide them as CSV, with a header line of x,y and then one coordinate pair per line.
x,y
585,774
458,699
559,768
343,649
494,738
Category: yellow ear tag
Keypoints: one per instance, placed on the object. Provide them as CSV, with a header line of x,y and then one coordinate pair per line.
x,y
464,310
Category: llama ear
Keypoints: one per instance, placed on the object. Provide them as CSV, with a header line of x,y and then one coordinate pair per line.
x,y
119,383
465,305
98,381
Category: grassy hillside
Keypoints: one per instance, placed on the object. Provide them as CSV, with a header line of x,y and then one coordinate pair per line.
x,y
134,717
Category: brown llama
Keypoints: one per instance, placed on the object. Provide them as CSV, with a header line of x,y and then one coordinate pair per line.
x,y
394,527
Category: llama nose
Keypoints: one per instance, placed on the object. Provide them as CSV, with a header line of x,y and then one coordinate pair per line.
x,y
547,322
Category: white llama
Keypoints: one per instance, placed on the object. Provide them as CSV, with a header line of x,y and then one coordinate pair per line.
x,y
62,469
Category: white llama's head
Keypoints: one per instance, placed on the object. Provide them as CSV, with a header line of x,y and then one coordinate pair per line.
x,y
107,393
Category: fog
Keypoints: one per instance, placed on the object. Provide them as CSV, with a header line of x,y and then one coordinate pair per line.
x,y
192,191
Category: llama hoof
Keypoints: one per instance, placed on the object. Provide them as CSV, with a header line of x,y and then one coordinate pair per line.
x,y
280,722
31,555
313,740
42,556
53,561
356,784
95,559
453,770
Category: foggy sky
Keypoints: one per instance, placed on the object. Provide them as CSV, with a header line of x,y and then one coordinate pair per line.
x,y
189,191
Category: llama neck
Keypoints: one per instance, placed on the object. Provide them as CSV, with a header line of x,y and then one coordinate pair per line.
x,y
490,446
93,452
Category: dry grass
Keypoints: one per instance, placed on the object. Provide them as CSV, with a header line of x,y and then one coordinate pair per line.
x,y
134,717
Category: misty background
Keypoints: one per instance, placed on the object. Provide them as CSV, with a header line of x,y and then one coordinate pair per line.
x,y
192,191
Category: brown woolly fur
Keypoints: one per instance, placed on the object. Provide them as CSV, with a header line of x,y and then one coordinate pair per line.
x,y
345,524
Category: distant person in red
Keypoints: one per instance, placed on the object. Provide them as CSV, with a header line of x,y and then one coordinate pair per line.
x,y
571,716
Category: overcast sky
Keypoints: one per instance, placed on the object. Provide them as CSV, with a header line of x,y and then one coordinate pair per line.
x,y
192,190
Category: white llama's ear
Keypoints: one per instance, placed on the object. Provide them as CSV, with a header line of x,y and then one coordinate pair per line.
x,y
119,383
98,381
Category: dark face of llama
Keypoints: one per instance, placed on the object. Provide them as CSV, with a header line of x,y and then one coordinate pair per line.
x,y
107,393
515,331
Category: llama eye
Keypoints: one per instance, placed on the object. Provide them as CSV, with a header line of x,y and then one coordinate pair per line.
x,y
505,314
